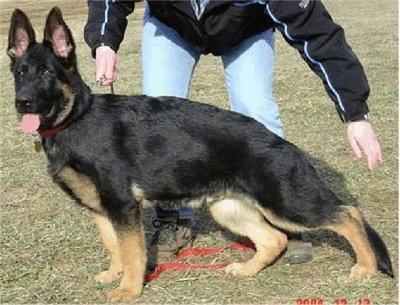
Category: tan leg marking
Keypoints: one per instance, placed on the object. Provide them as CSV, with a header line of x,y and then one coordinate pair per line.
x,y
242,217
85,190
133,257
128,242
110,241
352,229
138,194
82,187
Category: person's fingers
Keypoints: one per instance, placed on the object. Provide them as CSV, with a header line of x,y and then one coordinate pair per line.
x,y
106,61
110,74
100,68
353,143
374,153
372,158
363,140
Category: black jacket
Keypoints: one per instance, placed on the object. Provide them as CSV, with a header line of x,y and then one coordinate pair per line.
x,y
306,25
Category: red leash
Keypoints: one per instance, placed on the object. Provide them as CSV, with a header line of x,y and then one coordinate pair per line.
x,y
196,252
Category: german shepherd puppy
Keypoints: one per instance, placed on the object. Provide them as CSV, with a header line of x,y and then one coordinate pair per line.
x,y
113,153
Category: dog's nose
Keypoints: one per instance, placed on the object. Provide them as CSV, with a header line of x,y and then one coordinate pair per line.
x,y
24,104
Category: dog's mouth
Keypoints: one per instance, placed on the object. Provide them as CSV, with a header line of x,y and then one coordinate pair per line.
x,y
30,122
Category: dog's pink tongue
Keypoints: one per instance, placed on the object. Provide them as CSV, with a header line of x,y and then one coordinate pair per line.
x,y
30,122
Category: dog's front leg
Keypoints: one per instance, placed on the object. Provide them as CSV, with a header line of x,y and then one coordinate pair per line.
x,y
110,241
83,187
132,250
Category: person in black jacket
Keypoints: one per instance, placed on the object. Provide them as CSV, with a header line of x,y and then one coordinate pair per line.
x,y
175,35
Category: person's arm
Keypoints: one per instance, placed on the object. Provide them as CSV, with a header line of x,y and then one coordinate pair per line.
x,y
307,26
322,44
106,23
104,32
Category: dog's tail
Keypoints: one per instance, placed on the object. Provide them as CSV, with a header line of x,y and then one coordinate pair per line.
x,y
379,249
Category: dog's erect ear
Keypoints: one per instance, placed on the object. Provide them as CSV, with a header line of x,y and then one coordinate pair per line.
x,y
57,35
20,35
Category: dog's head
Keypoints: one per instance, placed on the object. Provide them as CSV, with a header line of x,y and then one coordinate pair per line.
x,y
43,72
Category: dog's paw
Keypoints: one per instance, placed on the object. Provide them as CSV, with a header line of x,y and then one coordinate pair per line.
x,y
241,269
121,295
107,277
359,272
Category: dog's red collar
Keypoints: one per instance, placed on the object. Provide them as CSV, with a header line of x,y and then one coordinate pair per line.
x,y
50,132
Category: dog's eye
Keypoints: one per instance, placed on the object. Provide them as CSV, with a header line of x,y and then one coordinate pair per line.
x,y
22,71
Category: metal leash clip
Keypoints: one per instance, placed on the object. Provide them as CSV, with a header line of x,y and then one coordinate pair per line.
x,y
96,83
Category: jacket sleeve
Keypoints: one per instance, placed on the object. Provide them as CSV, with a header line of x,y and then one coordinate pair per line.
x,y
106,23
308,27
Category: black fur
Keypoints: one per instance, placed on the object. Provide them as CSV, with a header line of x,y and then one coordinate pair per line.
x,y
173,150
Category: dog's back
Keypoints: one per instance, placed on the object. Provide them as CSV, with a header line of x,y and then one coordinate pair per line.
x,y
184,149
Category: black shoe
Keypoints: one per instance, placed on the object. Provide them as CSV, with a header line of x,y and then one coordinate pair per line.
x,y
172,233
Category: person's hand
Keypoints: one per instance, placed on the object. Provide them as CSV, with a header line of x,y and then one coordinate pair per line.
x,y
364,141
106,65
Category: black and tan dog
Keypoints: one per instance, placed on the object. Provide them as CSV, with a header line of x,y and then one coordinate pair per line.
x,y
112,153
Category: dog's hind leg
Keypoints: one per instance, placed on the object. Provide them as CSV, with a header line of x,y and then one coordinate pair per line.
x,y
351,227
110,241
242,217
